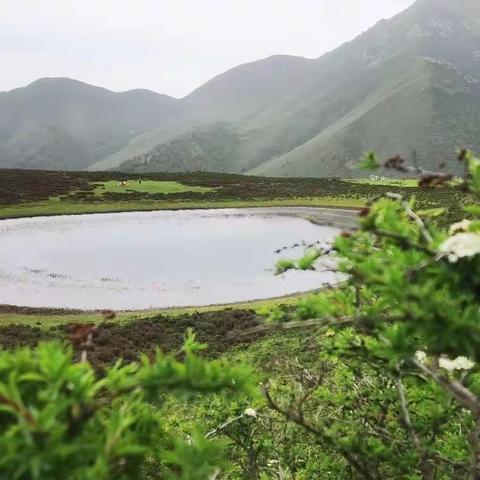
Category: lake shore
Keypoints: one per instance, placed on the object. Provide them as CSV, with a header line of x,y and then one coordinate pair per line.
x,y
338,218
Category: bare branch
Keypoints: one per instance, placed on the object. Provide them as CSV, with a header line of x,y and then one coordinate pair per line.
x,y
315,322
405,414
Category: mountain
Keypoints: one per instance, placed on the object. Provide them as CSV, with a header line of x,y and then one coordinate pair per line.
x,y
242,97
410,83
414,82
210,148
58,123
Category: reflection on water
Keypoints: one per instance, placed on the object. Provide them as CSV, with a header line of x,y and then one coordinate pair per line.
x,y
157,259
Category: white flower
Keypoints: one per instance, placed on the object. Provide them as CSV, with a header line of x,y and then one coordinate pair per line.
x,y
460,363
461,245
250,412
463,226
421,356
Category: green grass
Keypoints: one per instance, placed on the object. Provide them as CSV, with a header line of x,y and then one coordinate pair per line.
x,y
394,182
47,320
148,186
55,206
387,182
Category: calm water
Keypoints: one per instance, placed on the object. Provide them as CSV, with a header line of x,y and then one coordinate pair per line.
x,y
158,259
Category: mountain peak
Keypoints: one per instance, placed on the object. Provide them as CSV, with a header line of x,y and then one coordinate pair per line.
x,y
57,81
64,85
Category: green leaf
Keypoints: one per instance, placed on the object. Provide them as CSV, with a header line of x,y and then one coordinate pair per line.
x,y
369,162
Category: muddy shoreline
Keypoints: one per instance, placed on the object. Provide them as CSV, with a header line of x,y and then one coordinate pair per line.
x,y
338,217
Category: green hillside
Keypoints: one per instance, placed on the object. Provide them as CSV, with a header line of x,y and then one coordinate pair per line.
x,y
409,83
212,148
413,111
58,123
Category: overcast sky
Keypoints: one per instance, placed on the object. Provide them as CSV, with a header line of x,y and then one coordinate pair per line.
x,y
169,46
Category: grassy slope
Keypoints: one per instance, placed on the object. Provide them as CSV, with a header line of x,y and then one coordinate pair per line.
x,y
366,127
63,123
387,182
56,207
46,320
212,148
148,186
383,91
26,194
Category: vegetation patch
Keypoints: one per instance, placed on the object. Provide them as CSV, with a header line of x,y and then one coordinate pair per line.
x,y
31,193
149,187
386,182
112,341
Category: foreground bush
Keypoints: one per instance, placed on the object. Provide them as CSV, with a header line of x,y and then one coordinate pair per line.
x,y
59,421
399,397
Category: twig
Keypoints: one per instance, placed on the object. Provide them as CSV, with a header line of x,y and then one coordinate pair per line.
x,y
322,436
475,462
405,241
425,467
419,222
86,346
315,322
20,410
452,463
428,173
224,425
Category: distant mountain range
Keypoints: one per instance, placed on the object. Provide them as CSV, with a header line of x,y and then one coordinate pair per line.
x,y
411,83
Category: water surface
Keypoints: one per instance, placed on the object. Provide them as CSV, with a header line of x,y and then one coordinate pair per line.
x,y
152,260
